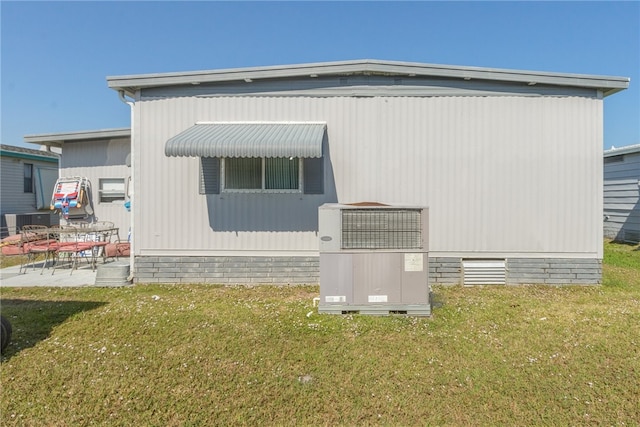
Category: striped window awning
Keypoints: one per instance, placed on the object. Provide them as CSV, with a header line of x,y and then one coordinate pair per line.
x,y
248,139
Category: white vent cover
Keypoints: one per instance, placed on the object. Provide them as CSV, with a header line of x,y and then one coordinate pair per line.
x,y
485,272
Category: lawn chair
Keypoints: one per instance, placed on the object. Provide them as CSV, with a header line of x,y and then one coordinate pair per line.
x,y
73,246
110,245
46,245
35,242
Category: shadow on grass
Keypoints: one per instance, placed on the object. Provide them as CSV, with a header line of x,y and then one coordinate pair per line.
x,y
437,300
33,320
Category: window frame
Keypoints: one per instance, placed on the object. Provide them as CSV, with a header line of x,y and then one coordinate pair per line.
x,y
111,196
27,181
263,189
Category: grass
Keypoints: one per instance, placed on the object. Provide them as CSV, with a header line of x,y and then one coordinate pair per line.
x,y
208,355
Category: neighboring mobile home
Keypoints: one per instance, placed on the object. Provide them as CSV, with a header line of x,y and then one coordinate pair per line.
x,y
28,178
101,156
230,166
622,193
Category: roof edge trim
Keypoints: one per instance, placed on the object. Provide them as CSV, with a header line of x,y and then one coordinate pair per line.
x,y
131,83
62,137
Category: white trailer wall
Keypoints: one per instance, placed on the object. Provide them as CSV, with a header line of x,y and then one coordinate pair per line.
x,y
96,160
503,176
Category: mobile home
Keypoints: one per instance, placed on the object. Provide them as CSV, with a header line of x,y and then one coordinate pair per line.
x,y
230,166
28,177
100,156
622,193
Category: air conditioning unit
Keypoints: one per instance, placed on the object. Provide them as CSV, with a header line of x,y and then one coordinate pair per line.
x,y
15,222
374,259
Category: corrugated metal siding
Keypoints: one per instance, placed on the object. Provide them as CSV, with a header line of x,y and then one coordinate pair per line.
x,y
248,140
100,159
501,175
622,198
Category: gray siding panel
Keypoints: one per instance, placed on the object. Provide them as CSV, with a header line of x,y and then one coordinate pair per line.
x,y
622,197
507,174
14,199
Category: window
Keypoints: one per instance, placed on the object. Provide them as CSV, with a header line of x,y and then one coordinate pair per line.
x,y
289,175
614,159
111,190
28,178
255,173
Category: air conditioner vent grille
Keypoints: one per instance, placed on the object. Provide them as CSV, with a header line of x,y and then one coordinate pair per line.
x,y
381,229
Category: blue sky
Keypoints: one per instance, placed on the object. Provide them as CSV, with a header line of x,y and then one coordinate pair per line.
x,y
56,55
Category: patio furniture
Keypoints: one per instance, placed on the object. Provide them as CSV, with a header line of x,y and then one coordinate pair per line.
x,y
84,242
45,243
13,246
73,247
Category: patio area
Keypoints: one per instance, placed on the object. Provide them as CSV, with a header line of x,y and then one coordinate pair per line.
x,y
83,275
85,255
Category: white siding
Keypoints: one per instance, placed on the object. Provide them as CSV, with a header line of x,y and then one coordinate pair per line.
x,y
95,160
501,175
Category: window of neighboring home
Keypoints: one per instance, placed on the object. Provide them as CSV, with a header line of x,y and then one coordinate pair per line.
x,y
111,190
255,174
280,174
614,159
28,178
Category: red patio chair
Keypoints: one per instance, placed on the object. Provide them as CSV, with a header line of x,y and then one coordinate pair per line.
x,y
48,244
72,245
13,246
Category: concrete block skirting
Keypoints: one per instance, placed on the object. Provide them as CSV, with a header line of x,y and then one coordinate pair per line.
x,y
306,270
549,271
554,271
227,270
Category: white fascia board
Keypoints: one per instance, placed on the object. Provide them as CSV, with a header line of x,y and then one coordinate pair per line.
x,y
60,138
131,83
629,149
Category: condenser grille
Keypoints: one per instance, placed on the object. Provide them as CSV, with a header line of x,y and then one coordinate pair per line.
x,y
381,229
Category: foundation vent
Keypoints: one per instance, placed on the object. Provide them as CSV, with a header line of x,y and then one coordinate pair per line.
x,y
485,272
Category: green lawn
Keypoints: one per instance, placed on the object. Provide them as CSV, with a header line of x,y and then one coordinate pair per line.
x,y
208,355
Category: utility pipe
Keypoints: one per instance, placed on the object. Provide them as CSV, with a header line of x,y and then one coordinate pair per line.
x,y
131,105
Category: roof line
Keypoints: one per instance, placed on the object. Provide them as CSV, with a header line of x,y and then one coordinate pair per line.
x,y
130,83
635,148
27,153
62,137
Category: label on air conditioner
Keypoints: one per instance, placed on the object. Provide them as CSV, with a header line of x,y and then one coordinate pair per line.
x,y
413,262
335,298
377,298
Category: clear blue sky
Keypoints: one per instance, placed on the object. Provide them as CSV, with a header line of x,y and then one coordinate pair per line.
x,y
56,55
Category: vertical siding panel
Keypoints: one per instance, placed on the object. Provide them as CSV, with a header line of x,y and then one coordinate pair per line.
x,y
100,159
500,174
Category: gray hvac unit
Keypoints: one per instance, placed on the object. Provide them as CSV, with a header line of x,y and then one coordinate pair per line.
x,y
15,222
374,259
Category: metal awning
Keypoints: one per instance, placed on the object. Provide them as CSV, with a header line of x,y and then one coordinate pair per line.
x,y
249,139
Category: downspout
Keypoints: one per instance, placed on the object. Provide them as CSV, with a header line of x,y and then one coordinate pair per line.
x,y
131,105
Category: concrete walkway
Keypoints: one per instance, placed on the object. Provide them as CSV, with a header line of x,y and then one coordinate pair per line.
x,y
82,276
